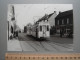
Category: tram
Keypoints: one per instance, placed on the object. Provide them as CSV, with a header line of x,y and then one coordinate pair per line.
x,y
29,29
41,30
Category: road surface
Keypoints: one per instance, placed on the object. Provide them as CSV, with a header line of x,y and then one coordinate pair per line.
x,y
29,43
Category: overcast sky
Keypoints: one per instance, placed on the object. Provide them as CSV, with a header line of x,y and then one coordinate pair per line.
x,y
28,13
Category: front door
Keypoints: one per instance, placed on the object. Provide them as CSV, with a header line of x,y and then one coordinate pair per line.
x,y
44,31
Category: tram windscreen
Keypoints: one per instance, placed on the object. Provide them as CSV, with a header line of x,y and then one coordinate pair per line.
x,y
47,28
40,28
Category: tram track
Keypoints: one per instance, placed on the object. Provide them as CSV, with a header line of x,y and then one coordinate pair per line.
x,y
52,46
44,47
58,48
60,44
34,44
38,45
30,45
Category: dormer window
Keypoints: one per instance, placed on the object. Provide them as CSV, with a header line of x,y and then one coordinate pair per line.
x,y
67,20
46,20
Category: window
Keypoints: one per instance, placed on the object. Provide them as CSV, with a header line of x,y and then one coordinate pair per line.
x,y
67,20
47,28
40,28
58,22
62,21
46,20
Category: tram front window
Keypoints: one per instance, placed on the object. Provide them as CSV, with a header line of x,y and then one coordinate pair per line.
x,y
47,28
40,28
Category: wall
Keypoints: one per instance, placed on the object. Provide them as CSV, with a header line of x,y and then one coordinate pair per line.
x,y
52,20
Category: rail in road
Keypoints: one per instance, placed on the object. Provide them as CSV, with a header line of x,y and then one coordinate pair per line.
x,y
43,45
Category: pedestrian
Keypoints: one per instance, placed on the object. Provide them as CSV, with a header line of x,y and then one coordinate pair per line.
x,y
17,34
14,34
70,34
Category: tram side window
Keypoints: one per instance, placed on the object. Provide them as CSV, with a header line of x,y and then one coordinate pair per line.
x,y
40,28
47,28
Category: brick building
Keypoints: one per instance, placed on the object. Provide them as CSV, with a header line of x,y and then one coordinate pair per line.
x,y
64,23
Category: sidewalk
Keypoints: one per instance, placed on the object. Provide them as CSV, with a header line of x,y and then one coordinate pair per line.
x,y
13,45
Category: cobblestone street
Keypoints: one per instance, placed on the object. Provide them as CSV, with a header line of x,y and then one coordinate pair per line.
x,y
55,44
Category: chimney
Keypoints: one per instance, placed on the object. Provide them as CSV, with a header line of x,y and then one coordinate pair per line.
x,y
54,11
59,12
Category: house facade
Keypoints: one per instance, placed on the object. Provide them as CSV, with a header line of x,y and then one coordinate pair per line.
x,y
64,23
11,22
51,19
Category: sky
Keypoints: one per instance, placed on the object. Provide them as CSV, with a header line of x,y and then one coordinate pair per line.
x,y
30,13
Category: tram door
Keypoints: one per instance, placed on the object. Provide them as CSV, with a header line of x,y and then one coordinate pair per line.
x,y
44,30
36,32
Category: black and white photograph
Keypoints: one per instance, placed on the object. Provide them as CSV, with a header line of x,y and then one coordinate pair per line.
x,y
40,27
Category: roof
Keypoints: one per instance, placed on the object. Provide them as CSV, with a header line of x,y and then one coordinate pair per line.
x,y
29,24
50,15
65,13
45,17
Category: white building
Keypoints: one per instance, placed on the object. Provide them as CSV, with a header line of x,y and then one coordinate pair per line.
x,y
11,21
51,19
